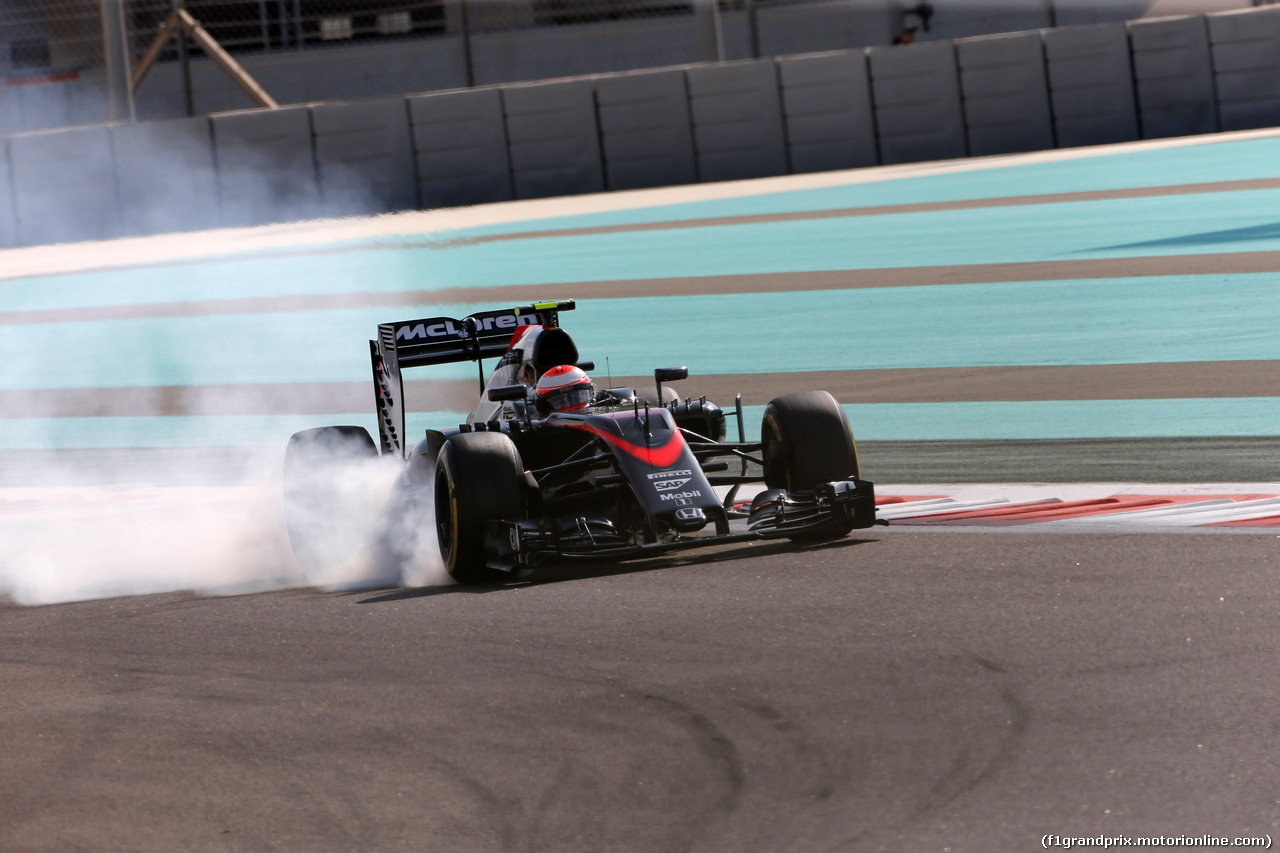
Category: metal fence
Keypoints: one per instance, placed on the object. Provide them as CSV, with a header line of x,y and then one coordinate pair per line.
x,y
335,49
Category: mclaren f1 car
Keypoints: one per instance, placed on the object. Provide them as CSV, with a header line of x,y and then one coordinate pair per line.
x,y
547,467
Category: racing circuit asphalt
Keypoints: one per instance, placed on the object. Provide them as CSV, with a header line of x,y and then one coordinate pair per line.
x,y
902,690
895,691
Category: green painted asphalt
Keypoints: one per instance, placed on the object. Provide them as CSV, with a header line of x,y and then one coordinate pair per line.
x,y
1106,321
1052,419
1210,161
1200,223
1084,322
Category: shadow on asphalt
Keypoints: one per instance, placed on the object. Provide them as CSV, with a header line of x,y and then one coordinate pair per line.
x,y
588,569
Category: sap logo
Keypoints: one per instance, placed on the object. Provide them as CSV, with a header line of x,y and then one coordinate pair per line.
x,y
670,485
692,493
666,474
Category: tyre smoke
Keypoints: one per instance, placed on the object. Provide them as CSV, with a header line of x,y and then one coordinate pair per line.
x,y
85,540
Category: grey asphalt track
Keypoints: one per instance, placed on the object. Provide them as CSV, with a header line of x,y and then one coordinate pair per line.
x,y
901,691
896,691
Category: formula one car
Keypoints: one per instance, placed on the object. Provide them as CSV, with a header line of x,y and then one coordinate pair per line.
x,y
548,468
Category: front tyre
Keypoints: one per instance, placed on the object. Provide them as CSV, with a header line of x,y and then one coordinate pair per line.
x,y
807,442
479,478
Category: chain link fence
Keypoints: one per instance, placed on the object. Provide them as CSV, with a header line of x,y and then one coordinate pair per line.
x,y
312,50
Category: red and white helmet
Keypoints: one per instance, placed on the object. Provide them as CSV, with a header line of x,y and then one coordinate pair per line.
x,y
565,388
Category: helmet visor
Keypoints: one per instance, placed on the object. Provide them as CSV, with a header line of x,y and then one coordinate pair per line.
x,y
577,397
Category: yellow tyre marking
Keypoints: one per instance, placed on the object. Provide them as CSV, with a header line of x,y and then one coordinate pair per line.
x,y
777,435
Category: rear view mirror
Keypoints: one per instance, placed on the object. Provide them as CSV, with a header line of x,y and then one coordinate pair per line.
x,y
668,374
506,392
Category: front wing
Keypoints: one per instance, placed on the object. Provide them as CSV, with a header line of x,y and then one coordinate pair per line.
x,y
836,508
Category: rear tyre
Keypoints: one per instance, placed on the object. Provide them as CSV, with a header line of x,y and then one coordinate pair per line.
x,y
318,500
479,478
808,441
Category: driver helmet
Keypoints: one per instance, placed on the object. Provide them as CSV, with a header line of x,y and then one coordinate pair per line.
x,y
565,389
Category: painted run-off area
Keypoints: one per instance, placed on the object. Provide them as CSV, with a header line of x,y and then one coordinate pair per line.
x,y
1141,320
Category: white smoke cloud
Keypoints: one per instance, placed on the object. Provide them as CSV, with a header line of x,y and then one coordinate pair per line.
x,y
76,542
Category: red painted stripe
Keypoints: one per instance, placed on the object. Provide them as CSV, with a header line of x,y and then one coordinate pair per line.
x,y
60,77
1186,499
1268,521
1027,506
1083,509
1051,510
659,457
882,500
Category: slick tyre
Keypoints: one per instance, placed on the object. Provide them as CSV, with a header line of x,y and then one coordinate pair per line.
x,y
808,441
319,498
479,478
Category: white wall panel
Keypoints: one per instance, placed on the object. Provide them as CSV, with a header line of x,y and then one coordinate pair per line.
x,y
1091,84
646,135
553,138
460,145
1006,95
266,168
826,100
364,156
166,176
737,120
1246,60
916,92
64,185
1173,75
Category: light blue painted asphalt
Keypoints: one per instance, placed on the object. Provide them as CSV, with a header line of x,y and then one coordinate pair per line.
x,y
183,431
1106,321
1052,419
1063,419
1211,162
1203,223
1176,318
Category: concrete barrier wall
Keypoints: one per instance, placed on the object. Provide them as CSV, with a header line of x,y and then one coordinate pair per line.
x,y
1006,95
826,101
8,222
1091,85
293,77
791,28
553,138
364,156
1246,60
706,122
266,168
64,185
646,135
508,45
737,120
1173,77
539,53
916,91
460,148
165,175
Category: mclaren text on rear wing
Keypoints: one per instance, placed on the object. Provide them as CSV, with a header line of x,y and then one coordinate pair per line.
x,y
442,340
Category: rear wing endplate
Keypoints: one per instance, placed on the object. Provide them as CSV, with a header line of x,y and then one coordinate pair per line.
x,y
442,340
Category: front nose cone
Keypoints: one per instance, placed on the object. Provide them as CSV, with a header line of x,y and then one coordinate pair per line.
x,y
689,519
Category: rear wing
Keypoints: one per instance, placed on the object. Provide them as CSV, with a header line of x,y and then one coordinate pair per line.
x,y
442,340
